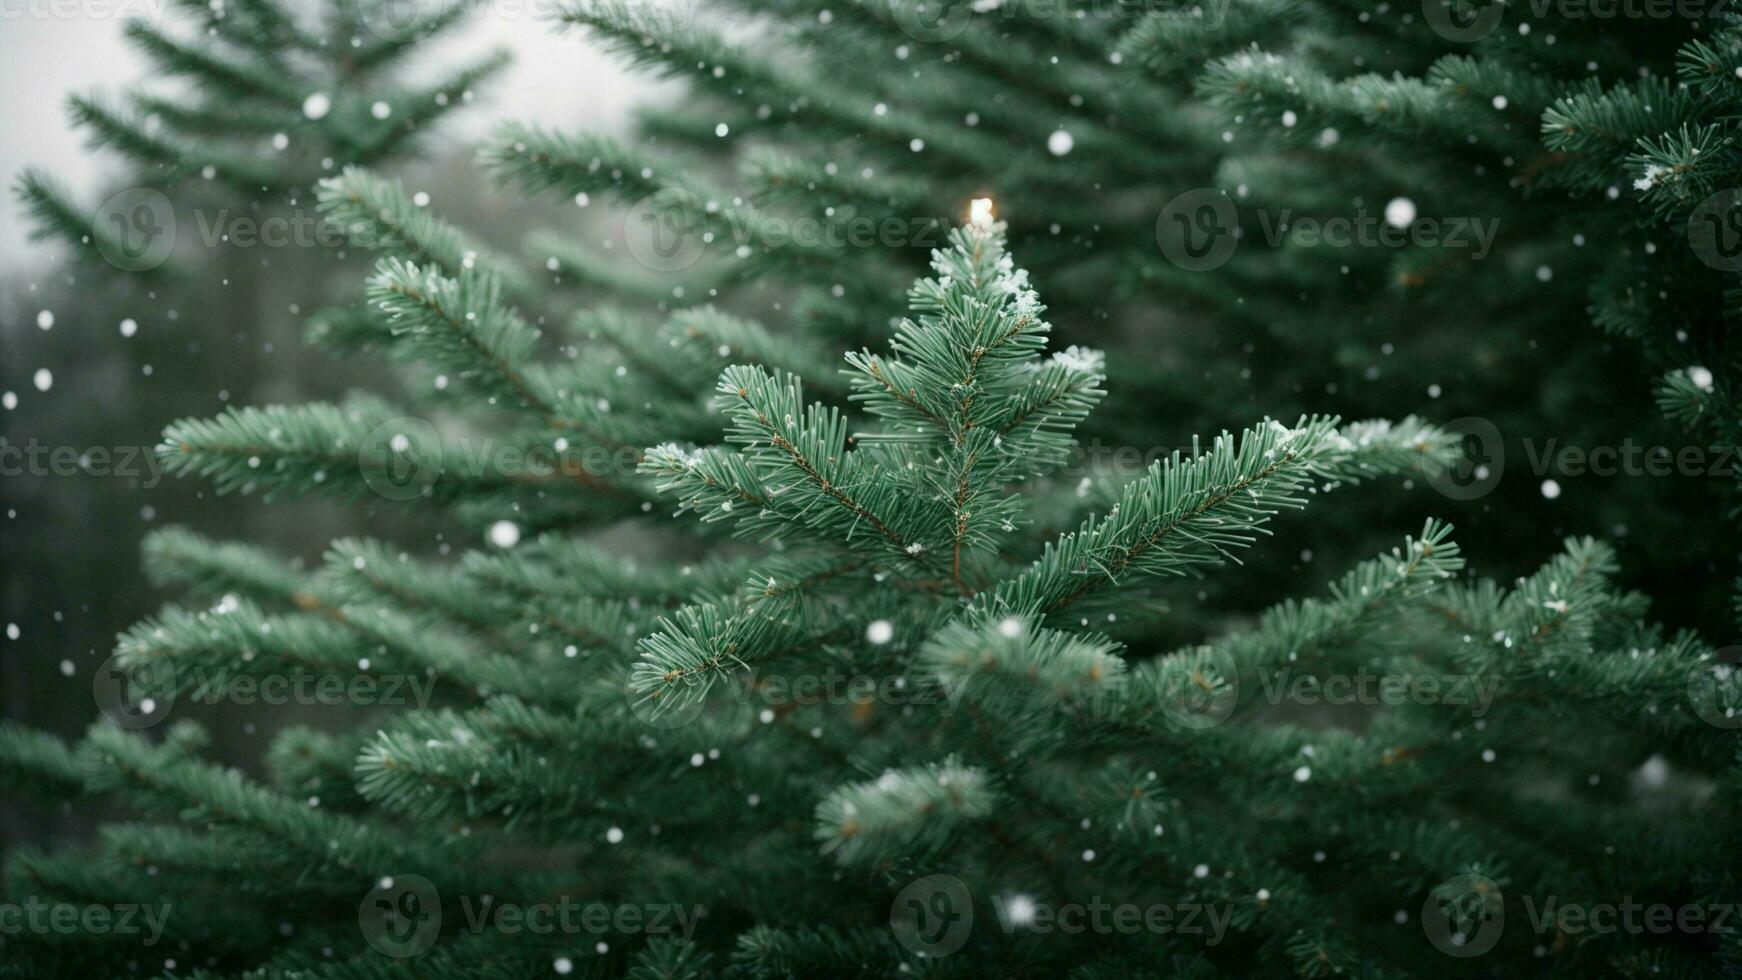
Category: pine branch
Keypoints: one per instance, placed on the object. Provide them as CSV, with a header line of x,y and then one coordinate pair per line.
x,y
914,811
377,213
1185,514
57,216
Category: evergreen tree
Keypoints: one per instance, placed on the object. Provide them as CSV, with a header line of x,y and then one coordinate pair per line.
x,y
1499,148
193,291
648,733
641,695
273,98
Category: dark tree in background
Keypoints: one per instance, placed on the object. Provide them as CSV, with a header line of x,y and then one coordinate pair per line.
x,y
1502,261
824,574
188,289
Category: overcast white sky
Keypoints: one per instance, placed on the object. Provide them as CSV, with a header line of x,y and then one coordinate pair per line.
x,y
561,80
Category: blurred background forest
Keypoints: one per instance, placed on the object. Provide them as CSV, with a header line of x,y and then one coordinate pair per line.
x,y
94,360
124,355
